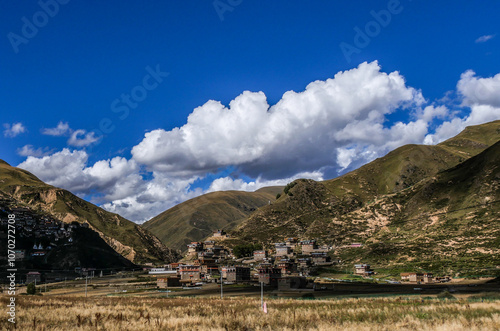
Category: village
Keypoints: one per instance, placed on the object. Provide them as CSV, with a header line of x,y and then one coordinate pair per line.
x,y
291,264
36,237
43,231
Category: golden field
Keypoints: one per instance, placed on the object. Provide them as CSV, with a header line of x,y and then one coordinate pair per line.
x,y
132,313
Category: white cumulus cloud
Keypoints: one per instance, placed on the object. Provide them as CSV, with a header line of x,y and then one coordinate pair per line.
x,y
230,184
77,138
68,169
331,127
13,130
61,129
295,135
80,138
29,150
484,38
481,95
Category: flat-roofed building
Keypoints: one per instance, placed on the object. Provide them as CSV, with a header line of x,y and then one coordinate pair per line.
x,y
33,277
282,249
238,274
417,277
287,267
363,269
269,276
259,255
189,273
308,246
164,282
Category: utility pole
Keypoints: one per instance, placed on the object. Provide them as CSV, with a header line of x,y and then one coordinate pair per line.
x,y
86,280
221,291
261,294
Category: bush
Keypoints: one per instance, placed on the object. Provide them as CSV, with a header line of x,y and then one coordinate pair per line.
x,y
288,187
245,250
278,196
445,295
31,289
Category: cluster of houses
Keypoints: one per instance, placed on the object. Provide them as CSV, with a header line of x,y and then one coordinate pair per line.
x,y
422,278
186,275
209,262
43,231
365,270
284,265
292,257
207,251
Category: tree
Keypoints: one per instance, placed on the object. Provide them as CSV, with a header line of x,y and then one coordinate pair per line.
x,y
245,250
31,289
288,187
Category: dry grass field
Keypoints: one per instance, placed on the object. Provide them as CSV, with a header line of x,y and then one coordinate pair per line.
x,y
130,313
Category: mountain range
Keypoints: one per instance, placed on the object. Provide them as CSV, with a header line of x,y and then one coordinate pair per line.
x,y
421,206
130,240
195,219
428,207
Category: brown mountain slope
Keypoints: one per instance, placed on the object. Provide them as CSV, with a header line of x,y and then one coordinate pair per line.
x,y
195,219
127,238
386,204
407,165
396,171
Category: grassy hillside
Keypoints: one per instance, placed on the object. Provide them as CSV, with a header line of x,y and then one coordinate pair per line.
x,y
449,223
418,206
125,237
195,219
410,164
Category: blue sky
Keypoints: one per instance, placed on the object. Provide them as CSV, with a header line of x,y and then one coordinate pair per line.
x,y
87,56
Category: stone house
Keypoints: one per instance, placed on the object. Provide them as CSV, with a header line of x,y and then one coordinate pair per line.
x,y
33,277
269,276
308,246
189,273
363,269
259,255
282,249
165,282
238,274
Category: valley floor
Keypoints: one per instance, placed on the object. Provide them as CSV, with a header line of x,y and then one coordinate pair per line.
x,y
135,313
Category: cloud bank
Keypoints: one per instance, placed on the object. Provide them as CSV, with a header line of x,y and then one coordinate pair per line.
x,y
331,127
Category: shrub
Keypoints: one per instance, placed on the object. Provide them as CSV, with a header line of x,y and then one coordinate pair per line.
x,y
445,295
31,289
245,250
288,187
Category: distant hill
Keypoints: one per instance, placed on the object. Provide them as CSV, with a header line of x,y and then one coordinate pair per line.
x,y
125,237
195,219
429,207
